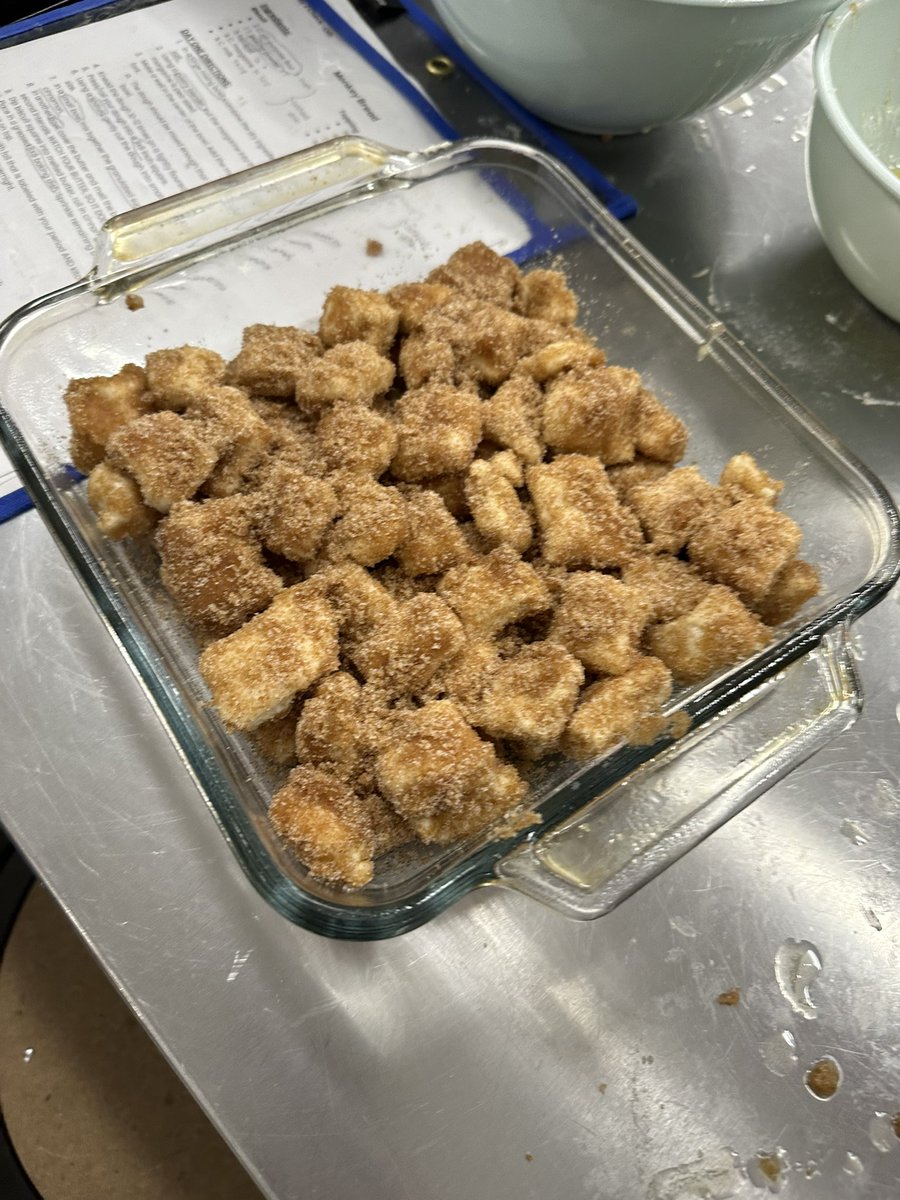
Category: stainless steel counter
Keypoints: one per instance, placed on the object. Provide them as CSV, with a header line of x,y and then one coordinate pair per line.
x,y
503,1051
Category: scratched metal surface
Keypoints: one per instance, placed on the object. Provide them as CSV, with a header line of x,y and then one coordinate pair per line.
x,y
504,1051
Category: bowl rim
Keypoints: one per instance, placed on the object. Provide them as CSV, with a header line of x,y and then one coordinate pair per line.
x,y
827,94
737,3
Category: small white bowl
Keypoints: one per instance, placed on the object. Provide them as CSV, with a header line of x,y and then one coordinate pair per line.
x,y
853,149
624,66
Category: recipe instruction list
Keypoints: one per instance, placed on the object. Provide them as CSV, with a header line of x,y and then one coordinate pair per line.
x,y
100,119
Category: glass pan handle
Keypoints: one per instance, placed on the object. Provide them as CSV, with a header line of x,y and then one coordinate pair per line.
x,y
250,197
628,834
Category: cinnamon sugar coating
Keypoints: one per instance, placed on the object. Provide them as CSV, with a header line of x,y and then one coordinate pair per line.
x,y
611,710
593,412
255,672
660,435
438,428
742,477
430,544
372,520
494,591
669,586
512,418
530,697
626,476
414,300
348,373
795,583
334,830
718,633
671,508
745,546
401,655
242,435
497,510
168,456
270,359
434,541
276,739
441,777
480,273
293,510
354,315
211,563
546,296
175,377
340,727
351,436
581,521
600,620
116,500
558,357
97,407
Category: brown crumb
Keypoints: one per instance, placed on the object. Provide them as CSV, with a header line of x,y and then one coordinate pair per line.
x,y
769,1166
374,248
134,302
895,1124
601,1088
529,1157
823,1078
730,998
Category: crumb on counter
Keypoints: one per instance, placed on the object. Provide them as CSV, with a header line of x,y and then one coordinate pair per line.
x,y
769,1166
730,998
823,1078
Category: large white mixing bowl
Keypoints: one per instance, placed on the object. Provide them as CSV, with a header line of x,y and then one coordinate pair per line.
x,y
621,66
853,149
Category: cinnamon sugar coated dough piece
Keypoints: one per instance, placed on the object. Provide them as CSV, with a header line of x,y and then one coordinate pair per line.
x,y
745,546
117,503
593,412
97,407
255,673
719,632
176,376
671,508
334,729
352,315
497,510
337,832
348,373
428,543
531,696
581,521
612,709
438,428
600,620
442,777
211,564
168,456
270,359
372,519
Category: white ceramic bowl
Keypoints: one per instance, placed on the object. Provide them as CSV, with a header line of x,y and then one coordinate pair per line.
x,y
853,149
622,66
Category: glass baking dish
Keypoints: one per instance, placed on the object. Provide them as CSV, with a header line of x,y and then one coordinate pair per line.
x,y
264,246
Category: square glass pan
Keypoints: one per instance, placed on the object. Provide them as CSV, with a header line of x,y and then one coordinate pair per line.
x,y
264,246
